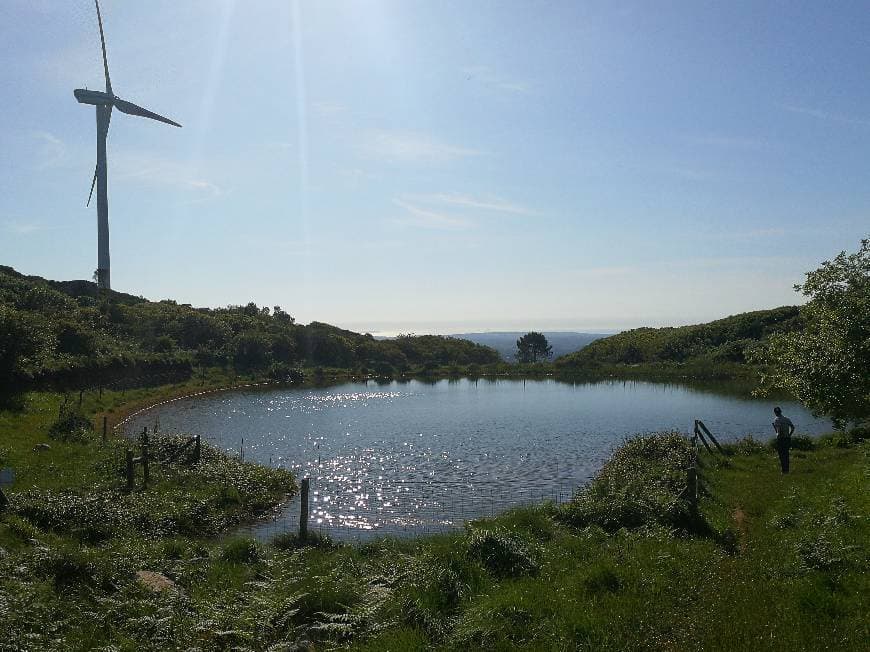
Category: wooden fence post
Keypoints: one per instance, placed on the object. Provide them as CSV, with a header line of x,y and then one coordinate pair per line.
x,y
710,435
105,428
692,482
145,470
130,477
303,509
198,450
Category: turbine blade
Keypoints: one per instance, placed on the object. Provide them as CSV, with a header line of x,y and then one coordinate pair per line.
x,y
93,183
103,43
132,109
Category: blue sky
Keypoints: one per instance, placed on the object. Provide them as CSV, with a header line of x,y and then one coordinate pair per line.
x,y
444,166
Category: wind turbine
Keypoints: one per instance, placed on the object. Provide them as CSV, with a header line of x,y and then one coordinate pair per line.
x,y
104,102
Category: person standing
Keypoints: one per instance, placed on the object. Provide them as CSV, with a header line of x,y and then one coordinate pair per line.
x,y
784,429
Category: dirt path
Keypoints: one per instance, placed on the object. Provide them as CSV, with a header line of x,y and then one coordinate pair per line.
x,y
739,518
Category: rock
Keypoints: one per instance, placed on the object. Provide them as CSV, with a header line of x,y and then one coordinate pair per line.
x,y
41,447
157,582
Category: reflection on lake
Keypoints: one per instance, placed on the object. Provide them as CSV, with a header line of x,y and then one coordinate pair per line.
x,y
418,457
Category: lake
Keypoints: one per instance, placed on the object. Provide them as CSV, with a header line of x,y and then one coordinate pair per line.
x,y
411,457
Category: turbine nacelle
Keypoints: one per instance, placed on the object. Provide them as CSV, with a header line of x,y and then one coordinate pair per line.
x,y
97,98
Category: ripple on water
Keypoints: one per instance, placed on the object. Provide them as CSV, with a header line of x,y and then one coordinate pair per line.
x,y
415,457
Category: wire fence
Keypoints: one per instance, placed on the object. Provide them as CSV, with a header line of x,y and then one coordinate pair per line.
x,y
366,510
362,509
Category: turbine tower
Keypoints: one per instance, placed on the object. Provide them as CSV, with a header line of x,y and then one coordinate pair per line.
x,y
104,102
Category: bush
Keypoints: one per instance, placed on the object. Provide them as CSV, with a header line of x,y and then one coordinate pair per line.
x,y
22,528
69,567
285,373
603,580
802,443
71,426
502,553
746,446
173,549
292,541
241,551
642,484
818,553
859,433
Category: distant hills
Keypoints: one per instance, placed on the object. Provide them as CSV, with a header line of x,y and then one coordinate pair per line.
x,y
505,342
72,334
717,344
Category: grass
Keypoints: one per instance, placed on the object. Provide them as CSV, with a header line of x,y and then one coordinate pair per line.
x,y
769,562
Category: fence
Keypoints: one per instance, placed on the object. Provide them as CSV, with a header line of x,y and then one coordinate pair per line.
x,y
367,509
193,447
373,509
693,479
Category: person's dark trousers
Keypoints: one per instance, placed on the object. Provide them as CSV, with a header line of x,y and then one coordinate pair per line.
x,y
782,446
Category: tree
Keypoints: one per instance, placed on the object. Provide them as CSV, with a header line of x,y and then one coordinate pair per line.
x,y
826,364
532,347
251,350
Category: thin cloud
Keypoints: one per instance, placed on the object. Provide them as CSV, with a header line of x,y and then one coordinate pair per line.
x,y
495,204
754,234
22,228
603,272
416,216
328,109
490,78
737,263
356,177
729,142
687,173
411,147
825,115
152,170
50,150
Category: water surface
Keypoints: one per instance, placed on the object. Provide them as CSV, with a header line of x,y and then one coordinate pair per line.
x,y
414,457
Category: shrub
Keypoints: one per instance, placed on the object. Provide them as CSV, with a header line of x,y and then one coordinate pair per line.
x,y
745,446
22,528
173,549
858,434
802,443
642,484
69,567
71,426
818,553
502,553
292,541
241,551
603,580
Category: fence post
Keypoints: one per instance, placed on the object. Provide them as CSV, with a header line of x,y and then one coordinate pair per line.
x,y
197,450
145,470
692,482
105,428
303,509
710,435
130,478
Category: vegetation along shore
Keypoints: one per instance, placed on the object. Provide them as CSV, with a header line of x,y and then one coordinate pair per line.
x,y
666,548
633,562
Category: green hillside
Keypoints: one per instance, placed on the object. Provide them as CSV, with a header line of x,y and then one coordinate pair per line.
x,y
720,344
70,334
